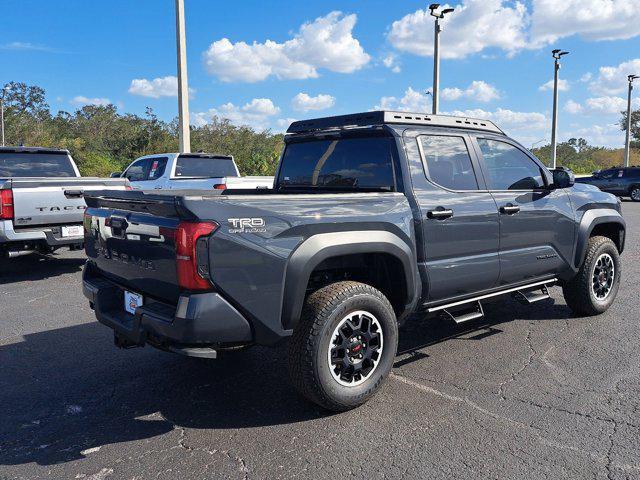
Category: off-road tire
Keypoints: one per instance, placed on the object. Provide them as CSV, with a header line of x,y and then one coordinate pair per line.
x,y
579,293
323,311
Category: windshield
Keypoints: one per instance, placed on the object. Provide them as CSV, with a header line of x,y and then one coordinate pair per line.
x,y
205,167
35,164
346,163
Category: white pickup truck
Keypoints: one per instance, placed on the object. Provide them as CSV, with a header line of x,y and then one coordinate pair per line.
x,y
189,171
41,200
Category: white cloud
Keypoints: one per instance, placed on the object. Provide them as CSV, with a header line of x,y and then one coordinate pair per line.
x,y
477,90
391,62
613,79
511,26
412,101
563,85
256,114
608,135
591,19
606,105
82,100
586,77
23,46
156,88
302,102
327,42
573,107
474,26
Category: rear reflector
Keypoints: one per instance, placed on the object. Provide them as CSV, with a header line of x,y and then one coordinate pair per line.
x,y
6,204
192,261
220,186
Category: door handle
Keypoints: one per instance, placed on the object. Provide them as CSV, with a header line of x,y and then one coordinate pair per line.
x,y
440,213
510,209
73,193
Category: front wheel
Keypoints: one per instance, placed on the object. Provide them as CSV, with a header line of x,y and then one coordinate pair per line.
x,y
344,346
594,288
634,193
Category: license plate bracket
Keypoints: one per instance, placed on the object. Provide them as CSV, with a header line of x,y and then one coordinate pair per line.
x,y
72,231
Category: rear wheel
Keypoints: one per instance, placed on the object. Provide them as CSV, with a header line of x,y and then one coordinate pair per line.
x,y
344,346
594,288
634,193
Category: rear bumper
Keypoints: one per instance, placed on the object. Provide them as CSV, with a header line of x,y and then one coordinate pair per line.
x,y
204,319
49,235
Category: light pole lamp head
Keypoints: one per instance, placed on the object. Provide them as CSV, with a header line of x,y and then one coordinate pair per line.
x,y
632,78
557,53
435,6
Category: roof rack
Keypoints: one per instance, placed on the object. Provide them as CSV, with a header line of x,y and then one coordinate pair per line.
x,y
390,117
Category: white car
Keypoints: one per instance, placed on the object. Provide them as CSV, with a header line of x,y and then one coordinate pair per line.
x,y
189,171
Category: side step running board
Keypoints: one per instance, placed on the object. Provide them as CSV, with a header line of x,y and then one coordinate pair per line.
x,y
531,296
465,316
544,284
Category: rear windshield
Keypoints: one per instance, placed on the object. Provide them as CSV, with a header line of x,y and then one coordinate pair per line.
x,y
205,167
346,163
35,164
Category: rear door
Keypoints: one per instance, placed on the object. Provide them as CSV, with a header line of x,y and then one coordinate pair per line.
x,y
147,173
537,230
459,219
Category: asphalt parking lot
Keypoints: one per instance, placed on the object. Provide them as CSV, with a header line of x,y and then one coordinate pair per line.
x,y
529,392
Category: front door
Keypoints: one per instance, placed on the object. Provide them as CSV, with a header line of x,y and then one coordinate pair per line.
x,y
537,230
460,225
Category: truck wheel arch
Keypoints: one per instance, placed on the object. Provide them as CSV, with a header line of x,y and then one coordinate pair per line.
x,y
318,248
602,221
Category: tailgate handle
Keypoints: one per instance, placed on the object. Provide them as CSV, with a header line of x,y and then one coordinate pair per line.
x,y
73,193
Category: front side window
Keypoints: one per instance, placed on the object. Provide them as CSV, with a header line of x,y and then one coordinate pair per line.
x,y
137,172
342,163
508,167
447,162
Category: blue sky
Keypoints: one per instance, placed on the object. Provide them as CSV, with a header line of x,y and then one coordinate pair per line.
x,y
265,63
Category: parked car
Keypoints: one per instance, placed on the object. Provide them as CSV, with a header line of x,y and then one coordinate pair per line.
x,y
623,182
42,202
189,171
374,216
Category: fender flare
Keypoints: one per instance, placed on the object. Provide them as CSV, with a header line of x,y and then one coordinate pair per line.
x,y
589,221
320,247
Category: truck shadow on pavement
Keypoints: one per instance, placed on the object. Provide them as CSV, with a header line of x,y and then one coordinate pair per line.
x,y
67,390
37,267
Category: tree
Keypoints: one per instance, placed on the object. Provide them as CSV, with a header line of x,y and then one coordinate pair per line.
x,y
635,126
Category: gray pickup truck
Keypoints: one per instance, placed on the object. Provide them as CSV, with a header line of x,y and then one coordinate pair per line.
x,y
41,200
374,216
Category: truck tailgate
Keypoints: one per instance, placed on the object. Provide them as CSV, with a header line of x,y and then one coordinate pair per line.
x,y
130,238
46,201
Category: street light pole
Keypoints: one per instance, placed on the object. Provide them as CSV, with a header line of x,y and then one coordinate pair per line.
x,y
554,123
627,142
184,133
436,54
2,116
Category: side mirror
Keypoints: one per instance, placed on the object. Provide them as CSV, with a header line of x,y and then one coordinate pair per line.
x,y
116,175
563,178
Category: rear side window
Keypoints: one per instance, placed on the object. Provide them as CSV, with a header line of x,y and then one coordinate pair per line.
x,y
339,163
205,167
156,167
508,167
447,162
632,173
28,164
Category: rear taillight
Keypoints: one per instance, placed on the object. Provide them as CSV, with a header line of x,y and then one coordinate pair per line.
x,y
6,204
192,258
220,186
